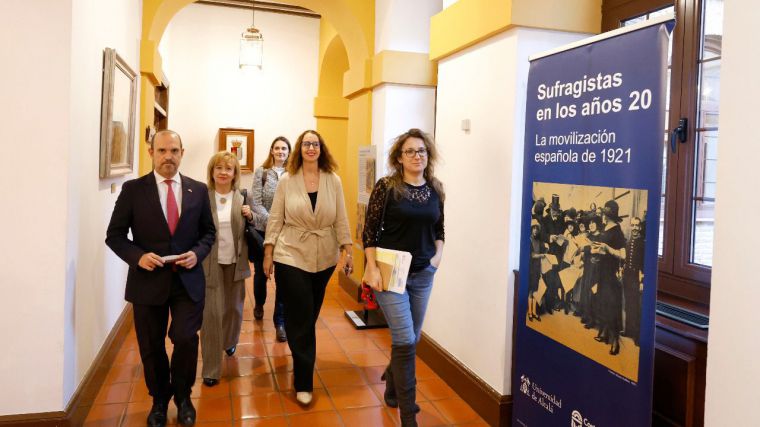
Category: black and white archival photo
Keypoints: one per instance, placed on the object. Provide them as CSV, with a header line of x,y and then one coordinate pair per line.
x,y
587,270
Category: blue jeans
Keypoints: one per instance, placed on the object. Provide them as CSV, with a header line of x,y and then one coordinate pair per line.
x,y
405,312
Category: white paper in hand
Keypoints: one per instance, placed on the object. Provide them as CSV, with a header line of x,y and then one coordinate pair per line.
x,y
394,278
169,258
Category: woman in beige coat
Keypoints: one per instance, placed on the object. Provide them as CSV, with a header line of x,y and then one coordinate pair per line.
x,y
226,267
306,233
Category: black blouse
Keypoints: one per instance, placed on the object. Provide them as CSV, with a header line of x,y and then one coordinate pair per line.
x,y
412,223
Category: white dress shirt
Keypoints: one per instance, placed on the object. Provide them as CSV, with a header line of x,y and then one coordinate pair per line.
x,y
163,190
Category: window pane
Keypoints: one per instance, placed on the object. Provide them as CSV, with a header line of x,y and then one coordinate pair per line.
x,y
713,28
709,93
635,20
703,201
654,14
666,141
706,150
662,226
667,100
663,11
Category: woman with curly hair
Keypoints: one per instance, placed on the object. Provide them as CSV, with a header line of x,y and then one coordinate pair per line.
x,y
405,213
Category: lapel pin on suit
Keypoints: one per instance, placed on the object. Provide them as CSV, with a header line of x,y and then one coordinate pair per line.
x,y
190,190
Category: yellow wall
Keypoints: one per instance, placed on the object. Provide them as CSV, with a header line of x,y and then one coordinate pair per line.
x,y
581,16
405,68
147,97
327,35
332,112
359,134
468,22
330,108
359,116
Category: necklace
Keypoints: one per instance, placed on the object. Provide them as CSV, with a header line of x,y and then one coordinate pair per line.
x,y
222,198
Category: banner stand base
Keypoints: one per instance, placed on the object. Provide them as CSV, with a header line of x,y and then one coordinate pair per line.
x,y
367,319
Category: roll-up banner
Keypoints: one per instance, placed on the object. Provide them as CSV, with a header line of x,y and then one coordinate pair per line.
x,y
594,138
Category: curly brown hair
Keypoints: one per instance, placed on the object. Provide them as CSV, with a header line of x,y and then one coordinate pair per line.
x,y
325,162
396,177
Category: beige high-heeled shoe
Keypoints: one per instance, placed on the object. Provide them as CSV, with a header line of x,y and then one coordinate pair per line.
x,y
304,397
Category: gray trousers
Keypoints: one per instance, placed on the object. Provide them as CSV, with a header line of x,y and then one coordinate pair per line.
x,y
222,318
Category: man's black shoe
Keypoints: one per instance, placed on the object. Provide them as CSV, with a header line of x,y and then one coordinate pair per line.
x,y
210,382
185,411
280,333
230,351
157,415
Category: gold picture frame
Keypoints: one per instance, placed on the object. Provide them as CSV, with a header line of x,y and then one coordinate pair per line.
x,y
117,116
239,142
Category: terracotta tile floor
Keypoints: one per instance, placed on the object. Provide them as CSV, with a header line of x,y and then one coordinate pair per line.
x,y
256,389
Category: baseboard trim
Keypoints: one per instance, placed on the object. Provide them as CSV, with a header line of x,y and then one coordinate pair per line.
x,y
42,419
84,396
493,407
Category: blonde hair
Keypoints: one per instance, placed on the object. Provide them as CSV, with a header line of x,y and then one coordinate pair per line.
x,y
396,176
223,157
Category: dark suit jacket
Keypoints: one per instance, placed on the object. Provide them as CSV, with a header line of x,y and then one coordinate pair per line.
x,y
138,208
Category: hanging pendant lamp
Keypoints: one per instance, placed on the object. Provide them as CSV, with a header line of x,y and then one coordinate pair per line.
x,y
251,44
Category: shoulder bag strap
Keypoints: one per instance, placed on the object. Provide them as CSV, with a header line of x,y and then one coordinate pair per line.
x,y
385,207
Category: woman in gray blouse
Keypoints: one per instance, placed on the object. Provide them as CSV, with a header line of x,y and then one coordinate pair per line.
x,y
264,184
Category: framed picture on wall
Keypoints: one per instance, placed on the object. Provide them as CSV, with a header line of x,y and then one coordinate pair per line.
x,y
117,116
240,143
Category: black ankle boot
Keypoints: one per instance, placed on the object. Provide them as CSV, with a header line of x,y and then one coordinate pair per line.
x,y
405,382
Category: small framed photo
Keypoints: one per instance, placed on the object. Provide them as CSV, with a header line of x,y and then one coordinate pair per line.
x,y
238,142
117,117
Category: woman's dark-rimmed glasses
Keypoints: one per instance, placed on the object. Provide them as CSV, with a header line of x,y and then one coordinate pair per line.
x,y
410,153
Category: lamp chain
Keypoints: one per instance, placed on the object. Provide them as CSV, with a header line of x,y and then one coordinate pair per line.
x,y
253,14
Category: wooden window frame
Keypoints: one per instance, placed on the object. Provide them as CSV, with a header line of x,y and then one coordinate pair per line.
x,y
680,281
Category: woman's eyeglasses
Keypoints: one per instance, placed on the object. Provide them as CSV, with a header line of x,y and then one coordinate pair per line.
x,y
410,153
311,144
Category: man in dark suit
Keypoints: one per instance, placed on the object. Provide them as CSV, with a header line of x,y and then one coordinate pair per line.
x,y
633,273
169,216
552,226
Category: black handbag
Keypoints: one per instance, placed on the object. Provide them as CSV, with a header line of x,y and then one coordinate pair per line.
x,y
253,238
